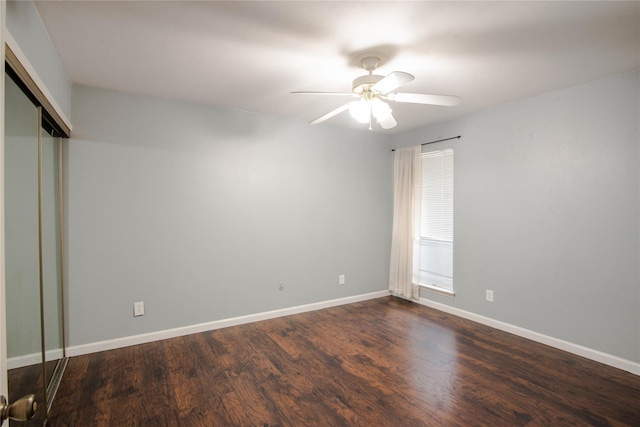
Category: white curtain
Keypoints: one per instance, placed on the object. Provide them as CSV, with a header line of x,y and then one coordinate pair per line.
x,y
407,177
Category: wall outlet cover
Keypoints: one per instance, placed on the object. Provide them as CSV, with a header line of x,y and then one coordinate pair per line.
x,y
489,295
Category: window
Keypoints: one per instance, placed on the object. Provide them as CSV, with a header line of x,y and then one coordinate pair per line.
x,y
436,220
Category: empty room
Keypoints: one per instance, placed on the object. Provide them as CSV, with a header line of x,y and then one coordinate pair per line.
x,y
320,213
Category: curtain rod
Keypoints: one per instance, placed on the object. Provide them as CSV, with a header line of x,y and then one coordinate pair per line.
x,y
440,140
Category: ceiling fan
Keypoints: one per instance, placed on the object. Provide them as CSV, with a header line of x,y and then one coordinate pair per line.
x,y
374,92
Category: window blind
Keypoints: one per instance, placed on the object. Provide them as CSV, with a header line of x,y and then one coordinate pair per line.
x,y
436,222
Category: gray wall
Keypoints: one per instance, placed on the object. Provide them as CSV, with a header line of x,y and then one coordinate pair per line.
x,y
546,213
25,25
202,213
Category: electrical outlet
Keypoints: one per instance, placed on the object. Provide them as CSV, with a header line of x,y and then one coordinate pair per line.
x,y
281,287
489,295
138,309
341,279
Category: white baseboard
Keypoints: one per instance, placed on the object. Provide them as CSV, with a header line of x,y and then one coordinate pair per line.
x,y
32,359
598,356
78,350
579,350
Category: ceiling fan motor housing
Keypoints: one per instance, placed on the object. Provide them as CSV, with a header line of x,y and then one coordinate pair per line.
x,y
363,83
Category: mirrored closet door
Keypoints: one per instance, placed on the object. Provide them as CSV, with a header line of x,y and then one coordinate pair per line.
x,y
33,250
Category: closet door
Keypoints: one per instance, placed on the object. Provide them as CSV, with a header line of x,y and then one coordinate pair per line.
x,y
51,255
22,260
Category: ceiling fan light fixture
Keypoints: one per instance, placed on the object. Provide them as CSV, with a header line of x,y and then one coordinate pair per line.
x,y
380,109
360,110
382,112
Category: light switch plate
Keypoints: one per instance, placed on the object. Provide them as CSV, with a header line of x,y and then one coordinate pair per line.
x,y
138,309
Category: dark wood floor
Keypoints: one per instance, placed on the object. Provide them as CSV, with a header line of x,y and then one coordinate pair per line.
x,y
384,362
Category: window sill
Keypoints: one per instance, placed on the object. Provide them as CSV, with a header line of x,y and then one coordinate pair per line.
x,y
438,289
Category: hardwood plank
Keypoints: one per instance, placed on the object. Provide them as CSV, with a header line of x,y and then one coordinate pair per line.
x,y
383,362
139,404
294,395
96,389
76,370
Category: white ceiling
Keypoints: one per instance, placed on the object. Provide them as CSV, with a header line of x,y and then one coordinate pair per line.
x,y
249,55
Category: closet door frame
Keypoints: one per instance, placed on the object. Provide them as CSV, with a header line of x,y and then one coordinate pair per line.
x,y
35,92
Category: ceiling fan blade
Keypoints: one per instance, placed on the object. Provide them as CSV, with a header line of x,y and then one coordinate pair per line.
x,y
421,98
392,81
351,94
388,122
330,114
